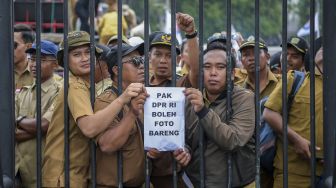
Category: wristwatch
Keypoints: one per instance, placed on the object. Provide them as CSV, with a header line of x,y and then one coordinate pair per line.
x,y
191,35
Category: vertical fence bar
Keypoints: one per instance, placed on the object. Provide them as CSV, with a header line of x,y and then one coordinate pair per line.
x,y
229,82
146,15
66,107
200,83
284,93
329,89
257,89
173,61
38,17
1,173
120,68
7,116
312,95
93,166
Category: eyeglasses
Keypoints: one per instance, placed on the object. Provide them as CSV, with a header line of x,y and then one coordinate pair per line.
x,y
136,61
43,60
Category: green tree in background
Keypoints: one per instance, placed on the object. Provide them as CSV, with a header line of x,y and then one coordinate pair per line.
x,y
243,18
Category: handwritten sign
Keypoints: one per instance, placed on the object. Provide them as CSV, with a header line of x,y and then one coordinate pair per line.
x,y
164,118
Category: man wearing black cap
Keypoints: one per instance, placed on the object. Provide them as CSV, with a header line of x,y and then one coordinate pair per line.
x,y
299,146
268,80
160,58
297,48
25,103
124,133
83,122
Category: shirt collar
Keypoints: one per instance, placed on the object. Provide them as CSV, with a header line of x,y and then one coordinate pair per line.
x,y
168,80
46,85
270,78
26,70
219,98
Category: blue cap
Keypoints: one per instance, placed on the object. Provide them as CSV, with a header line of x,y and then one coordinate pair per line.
x,y
47,48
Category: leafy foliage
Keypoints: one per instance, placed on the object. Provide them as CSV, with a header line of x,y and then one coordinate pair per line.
x,y
242,14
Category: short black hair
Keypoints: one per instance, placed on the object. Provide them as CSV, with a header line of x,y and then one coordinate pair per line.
x,y
218,45
28,34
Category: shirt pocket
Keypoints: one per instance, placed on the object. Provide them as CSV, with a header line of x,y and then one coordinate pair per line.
x,y
300,108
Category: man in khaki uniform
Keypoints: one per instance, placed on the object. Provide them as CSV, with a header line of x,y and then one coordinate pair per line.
x,y
160,58
299,148
297,48
124,134
225,134
26,128
24,37
83,124
246,77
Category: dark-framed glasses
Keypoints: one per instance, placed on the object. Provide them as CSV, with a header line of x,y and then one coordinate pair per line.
x,y
136,61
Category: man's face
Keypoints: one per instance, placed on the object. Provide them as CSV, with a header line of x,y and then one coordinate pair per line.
x,y
295,59
160,59
20,50
247,56
48,64
79,61
132,71
215,71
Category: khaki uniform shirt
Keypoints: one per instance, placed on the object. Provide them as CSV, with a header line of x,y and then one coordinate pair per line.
x,y
58,78
26,106
25,79
132,151
103,85
53,164
299,121
242,79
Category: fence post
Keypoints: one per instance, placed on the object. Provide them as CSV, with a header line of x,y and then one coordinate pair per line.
x,y
329,79
7,95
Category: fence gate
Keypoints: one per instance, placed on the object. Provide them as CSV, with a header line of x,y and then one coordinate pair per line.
x,y
7,111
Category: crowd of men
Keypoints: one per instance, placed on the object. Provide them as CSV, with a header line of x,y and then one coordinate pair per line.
x,y
116,124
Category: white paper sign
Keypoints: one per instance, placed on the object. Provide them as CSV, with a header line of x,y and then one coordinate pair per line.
x,y
164,118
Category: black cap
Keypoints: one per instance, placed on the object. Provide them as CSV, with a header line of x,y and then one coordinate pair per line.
x,y
217,37
298,43
106,50
250,42
125,50
275,61
164,39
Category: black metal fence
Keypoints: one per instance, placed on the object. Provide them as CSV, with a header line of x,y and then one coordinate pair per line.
x,y
7,140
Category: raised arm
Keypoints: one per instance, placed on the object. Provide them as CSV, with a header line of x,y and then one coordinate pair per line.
x,y
186,23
